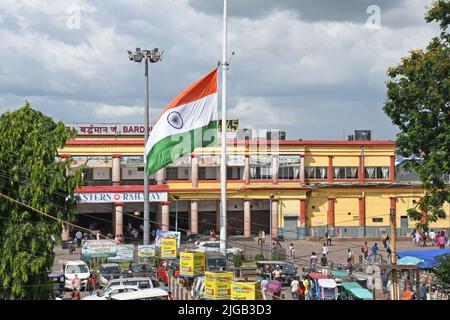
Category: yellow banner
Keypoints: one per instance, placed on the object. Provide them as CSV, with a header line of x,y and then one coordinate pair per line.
x,y
218,285
168,248
246,290
192,263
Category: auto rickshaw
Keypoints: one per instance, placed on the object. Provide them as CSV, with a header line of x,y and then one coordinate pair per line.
x,y
354,291
326,289
314,284
58,279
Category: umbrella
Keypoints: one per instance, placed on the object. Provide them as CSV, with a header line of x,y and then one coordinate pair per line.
x,y
274,286
409,261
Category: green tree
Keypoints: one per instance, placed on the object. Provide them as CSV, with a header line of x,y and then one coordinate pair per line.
x,y
29,173
442,271
418,103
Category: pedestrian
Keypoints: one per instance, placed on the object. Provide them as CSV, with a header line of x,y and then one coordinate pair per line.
x,y
325,249
432,237
324,261
277,273
384,279
375,249
385,239
76,294
263,236
76,283
423,291
424,238
264,283
78,237
313,261
442,241
301,291
418,236
413,236
349,265
291,252
408,283
350,255
328,237
294,288
170,296
389,252
305,283
259,238
365,250
90,285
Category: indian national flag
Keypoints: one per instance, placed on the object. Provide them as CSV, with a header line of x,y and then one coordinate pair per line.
x,y
188,122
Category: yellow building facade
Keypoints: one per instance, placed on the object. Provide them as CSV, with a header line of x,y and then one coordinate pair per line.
x,y
306,187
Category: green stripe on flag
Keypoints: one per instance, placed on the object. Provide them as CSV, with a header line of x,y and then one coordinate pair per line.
x,y
172,147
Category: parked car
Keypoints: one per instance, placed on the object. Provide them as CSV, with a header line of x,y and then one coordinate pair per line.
x,y
141,270
147,294
109,271
214,246
72,268
106,294
138,283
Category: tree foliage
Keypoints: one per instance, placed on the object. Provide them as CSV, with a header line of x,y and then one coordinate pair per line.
x,y
418,103
442,271
29,172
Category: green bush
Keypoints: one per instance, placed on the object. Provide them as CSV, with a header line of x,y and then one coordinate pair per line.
x,y
237,260
259,257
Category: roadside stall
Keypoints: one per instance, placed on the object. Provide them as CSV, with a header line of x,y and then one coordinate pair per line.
x,y
314,284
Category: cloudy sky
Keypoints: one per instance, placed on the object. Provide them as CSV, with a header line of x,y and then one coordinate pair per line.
x,y
315,68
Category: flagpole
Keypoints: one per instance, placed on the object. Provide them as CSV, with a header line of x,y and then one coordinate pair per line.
x,y
223,159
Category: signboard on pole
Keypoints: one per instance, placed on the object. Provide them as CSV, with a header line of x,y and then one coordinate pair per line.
x,y
169,249
167,234
241,290
98,249
146,251
218,285
192,264
125,253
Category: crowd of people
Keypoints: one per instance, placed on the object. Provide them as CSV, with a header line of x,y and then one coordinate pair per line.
x,y
420,238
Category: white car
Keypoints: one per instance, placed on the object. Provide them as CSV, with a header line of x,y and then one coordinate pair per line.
x,y
72,268
214,246
111,290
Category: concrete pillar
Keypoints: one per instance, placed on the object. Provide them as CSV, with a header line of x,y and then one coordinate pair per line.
x,y
194,171
165,216
247,169
194,216
247,218
392,170
275,169
65,232
331,213
160,176
330,168
118,215
275,218
218,216
116,169
303,216
362,211
302,168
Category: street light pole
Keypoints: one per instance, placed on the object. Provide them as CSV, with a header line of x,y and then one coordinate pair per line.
x,y
151,56
270,231
176,212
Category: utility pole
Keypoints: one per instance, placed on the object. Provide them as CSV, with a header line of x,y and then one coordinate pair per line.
x,y
393,253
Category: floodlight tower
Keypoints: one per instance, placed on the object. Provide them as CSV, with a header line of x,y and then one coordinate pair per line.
x,y
151,56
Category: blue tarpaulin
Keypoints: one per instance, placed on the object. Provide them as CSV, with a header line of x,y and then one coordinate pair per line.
x,y
426,255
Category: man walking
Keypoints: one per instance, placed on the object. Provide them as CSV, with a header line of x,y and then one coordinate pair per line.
x,y
291,252
365,250
294,288
432,237
324,261
313,261
325,249
78,237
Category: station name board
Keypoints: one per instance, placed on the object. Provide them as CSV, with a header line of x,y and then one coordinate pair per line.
x,y
109,129
108,197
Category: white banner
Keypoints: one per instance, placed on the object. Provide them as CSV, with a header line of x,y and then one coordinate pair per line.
x,y
108,197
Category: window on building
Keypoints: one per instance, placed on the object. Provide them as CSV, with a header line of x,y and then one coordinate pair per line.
x,y
288,167
260,167
377,219
320,173
207,173
376,172
171,173
345,172
235,173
